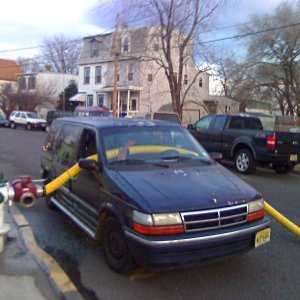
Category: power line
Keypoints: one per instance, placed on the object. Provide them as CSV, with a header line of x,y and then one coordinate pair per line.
x,y
198,43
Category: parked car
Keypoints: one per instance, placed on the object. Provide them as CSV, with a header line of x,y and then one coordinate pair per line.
x,y
92,111
160,115
242,139
4,122
154,197
27,119
52,114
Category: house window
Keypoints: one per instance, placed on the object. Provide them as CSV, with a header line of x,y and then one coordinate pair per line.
x,y
133,104
22,83
175,75
130,76
212,108
98,74
94,48
90,100
31,83
155,47
150,77
100,99
118,77
185,79
126,44
200,82
130,72
86,79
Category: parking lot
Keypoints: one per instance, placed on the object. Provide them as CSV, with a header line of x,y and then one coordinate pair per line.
x,y
271,271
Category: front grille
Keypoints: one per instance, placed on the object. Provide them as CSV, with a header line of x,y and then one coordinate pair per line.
x,y
215,218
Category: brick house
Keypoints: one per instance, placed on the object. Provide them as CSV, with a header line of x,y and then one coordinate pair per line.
x,y
141,84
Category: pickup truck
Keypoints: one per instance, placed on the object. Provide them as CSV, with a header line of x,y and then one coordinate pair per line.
x,y
242,139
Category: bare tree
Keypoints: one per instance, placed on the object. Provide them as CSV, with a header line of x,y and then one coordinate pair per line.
x,y
236,80
178,25
11,98
277,55
61,55
58,54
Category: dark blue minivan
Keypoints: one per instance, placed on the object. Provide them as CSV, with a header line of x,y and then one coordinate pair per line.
x,y
150,193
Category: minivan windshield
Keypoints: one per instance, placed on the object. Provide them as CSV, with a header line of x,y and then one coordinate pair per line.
x,y
153,144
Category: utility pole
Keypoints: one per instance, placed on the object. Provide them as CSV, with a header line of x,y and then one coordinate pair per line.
x,y
116,53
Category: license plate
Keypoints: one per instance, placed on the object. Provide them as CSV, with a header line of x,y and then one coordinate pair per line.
x,y
293,157
262,237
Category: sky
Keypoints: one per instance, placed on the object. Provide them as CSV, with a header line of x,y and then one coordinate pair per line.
x,y
25,24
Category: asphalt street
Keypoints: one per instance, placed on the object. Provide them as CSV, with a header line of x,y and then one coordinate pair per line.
x,y
271,271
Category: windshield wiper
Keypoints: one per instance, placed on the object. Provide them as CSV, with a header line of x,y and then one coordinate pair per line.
x,y
175,157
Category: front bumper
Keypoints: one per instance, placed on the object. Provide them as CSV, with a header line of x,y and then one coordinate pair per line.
x,y
39,125
193,248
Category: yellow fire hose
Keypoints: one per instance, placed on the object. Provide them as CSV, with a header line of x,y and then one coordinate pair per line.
x,y
64,177
73,171
282,219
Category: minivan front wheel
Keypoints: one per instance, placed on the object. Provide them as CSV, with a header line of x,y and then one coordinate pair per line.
x,y
114,246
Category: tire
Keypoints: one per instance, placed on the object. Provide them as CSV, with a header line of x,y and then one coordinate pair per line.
x,y
244,162
283,168
12,125
28,126
49,204
115,250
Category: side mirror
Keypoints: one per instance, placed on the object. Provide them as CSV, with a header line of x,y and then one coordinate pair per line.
x,y
191,126
217,156
88,164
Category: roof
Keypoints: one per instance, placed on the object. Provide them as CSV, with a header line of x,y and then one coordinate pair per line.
x,y
107,122
9,70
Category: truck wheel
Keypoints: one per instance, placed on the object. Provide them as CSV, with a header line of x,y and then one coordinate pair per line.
x,y
28,126
244,161
114,245
283,168
12,125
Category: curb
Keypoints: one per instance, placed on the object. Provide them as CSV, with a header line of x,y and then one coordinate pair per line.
x,y
59,280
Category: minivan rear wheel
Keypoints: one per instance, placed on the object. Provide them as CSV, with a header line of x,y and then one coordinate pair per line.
x,y
114,245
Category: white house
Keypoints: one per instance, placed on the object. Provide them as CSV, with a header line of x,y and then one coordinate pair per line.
x,y
141,84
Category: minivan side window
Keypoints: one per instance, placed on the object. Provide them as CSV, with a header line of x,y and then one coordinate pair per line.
x,y
67,144
50,138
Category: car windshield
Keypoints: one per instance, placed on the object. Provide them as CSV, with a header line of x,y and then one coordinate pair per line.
x,y
151,144
32,116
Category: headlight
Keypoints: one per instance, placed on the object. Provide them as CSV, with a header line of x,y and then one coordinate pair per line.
x,y
256,210
157,224
256,205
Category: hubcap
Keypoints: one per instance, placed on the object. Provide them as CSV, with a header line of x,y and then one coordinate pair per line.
x,y
242,162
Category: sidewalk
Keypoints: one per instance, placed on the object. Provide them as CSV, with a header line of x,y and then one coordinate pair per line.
x,y
26,271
